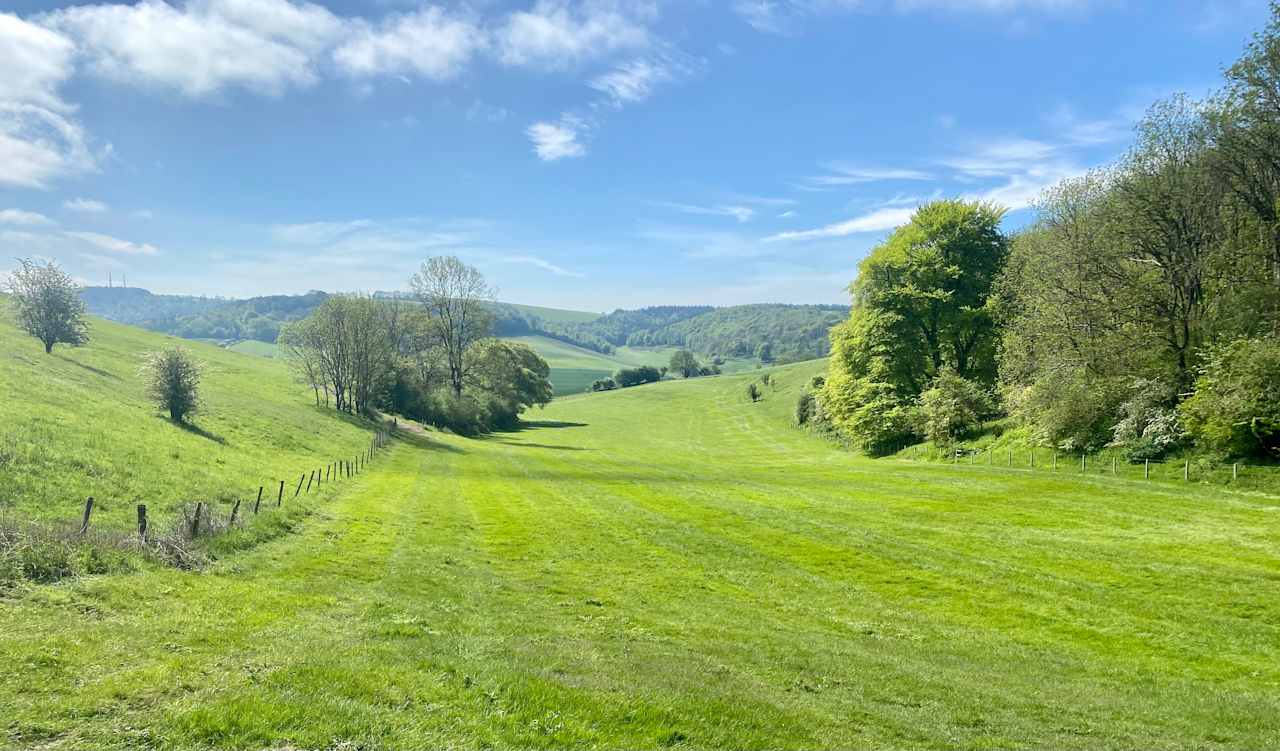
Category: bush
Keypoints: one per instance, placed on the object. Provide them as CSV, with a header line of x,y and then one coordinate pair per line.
x,y
753,392
604,384
869,413
1235,409
805,407
636,376
172,377
952,408
1149,427
1069,410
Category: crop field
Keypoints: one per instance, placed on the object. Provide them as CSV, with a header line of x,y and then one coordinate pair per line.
x,y
674,566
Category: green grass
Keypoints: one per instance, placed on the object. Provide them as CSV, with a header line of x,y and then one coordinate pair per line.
x,y
671,565
574,368
76,423
556,315
255,347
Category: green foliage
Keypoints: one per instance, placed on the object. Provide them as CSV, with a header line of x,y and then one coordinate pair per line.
x,y
636,376
172,378
509,378
1149,427
754,392
685,363
48,305
1235,409
257,318
952,408
604,384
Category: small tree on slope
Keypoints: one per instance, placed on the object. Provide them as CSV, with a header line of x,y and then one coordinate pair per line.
x,y
49,304
173,382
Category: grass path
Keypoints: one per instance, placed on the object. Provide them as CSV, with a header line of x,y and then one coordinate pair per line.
x,y
672,566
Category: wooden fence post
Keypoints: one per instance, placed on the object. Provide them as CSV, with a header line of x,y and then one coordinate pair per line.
x,y
1008,457
310,480
235,511
1186,469
88,509
258,502
1055,460
1234,475
280,495
298,489
1084,464
1146,469
142,521
1113,464
195,521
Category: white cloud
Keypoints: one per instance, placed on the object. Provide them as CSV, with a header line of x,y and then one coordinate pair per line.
x,y
741,213
634,80
428,42
39,145
786,215
317,233
543,264
35,61
114,244
23,218
554,141
558,34
85,205
876,221
842,174
204,46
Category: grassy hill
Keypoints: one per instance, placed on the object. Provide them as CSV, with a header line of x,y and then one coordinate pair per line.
x,y
554,315
76,424
674,566
574,368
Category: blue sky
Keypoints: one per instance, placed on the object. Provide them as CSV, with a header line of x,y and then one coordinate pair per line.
x,y
592,155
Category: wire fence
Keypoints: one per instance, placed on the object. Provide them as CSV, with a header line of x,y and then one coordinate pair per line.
x,y
1108,463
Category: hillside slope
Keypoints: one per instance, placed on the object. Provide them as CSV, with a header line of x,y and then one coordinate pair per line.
x,y
76,424
674,565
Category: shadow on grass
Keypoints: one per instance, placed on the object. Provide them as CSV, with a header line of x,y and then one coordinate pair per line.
x,y
423,441
543,425
197,430
90,368
544,446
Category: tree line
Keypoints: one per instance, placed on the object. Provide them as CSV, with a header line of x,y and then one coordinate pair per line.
x,y
1140,310
430,356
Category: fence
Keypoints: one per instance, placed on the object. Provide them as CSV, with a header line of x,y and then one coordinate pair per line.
x,y
1104,464
200,520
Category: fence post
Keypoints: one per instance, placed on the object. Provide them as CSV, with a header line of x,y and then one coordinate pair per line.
x,y
1084,464
1055,460
1186,469
195,522
88,509
142,521
280,495
1008,458
258,502
1032,462
298,489
1113,464
1234,475
1146,469
310,480
235,511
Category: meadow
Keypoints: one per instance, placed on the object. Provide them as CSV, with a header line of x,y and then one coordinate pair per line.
x,y
672,565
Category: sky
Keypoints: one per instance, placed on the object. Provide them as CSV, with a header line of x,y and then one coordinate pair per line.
x,y
590,155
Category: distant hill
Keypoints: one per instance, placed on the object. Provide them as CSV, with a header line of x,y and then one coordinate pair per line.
x,y
771,332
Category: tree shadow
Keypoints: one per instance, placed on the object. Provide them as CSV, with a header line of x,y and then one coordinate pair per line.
x,y
544,446
423,441
543,425
90,368
197,430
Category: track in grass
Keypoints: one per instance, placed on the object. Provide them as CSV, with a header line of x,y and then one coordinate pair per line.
x,y
670,565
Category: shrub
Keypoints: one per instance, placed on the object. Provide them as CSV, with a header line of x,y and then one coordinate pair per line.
x,y
952,408
604,384
172,377
805,406
1149,427
753,392
1069,410
869,413
636,376
1235,409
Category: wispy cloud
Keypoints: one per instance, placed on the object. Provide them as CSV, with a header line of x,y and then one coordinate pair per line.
x,y
876,221
635,80
557,34
316,233
114,244
24,218
85,205
844,174
741,213
543,264
553,141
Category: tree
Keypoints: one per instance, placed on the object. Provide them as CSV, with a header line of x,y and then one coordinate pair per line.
x,y
628,377
510,377
684,363
764,352
49,304
753,392
172,379
456,298
951,408
1234,409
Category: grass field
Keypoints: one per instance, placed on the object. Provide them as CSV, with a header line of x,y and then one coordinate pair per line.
x,y
673,566
255,347
574,368
556,315
76,423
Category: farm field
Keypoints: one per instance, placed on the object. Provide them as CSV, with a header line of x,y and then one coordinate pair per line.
x,y
673,566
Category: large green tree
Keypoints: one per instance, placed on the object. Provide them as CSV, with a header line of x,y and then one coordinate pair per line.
x,y
49,304
922,303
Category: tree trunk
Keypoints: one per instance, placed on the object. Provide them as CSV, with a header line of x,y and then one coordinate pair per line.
x,y
48,348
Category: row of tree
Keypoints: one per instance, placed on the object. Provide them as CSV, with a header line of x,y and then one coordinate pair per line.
x,y
1141,309
429,357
